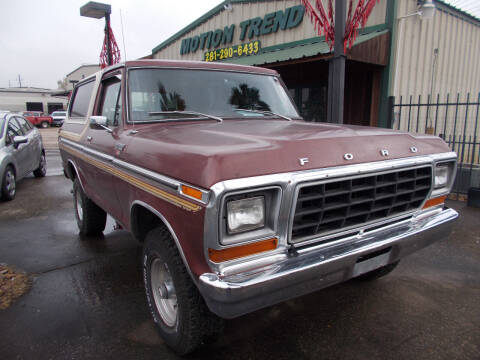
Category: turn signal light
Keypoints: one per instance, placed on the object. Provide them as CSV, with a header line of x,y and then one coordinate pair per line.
x,y
187,190
242,250
434,202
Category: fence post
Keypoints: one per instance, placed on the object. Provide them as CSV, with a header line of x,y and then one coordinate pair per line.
x,y
391,112
436,114
418,111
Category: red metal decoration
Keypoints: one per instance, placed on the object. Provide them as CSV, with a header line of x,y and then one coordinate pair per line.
x,y
325,24
114,50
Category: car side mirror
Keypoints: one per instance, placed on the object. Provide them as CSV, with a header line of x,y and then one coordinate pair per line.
x,y
17,140
99,121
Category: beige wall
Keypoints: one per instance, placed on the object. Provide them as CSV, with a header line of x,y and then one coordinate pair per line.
x,y
244,11
16,101
81,73
418,71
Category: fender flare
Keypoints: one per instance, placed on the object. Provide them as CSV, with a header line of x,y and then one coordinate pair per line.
x,y
170,230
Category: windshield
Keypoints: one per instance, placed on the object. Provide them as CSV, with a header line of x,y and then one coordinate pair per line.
x,y
59,113
152,92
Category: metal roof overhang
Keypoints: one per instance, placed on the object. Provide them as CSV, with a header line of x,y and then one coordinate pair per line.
x,y
298,51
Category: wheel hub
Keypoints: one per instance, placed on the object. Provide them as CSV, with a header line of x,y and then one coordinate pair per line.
x,y
164,293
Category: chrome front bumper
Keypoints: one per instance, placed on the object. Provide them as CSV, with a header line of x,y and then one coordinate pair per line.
x,y
252,286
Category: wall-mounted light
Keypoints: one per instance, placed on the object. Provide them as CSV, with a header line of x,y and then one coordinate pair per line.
x,y
228,7
425,10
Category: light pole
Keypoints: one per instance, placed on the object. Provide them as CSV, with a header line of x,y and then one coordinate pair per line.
x,y
97,10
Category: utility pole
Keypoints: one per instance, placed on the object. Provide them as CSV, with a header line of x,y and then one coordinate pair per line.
x,y
19,81
336,67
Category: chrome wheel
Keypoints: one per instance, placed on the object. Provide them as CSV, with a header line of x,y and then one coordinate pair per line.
x,y
79,205
10,182
164,292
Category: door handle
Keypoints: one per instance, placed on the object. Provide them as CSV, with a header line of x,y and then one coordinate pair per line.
x,y
120,146
89,138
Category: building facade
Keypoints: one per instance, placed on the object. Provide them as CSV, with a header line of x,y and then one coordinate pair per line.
x,y
397,54
31,99
80,73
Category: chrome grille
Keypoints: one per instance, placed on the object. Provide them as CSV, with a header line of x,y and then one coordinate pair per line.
x,y
329,207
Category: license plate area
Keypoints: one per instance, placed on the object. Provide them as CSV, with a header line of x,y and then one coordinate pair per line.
x,y
372,261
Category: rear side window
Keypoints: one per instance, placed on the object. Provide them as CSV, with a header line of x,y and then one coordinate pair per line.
x,y
81,100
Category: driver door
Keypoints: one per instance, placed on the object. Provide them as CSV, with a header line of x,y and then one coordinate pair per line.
x,y
103,141
19,153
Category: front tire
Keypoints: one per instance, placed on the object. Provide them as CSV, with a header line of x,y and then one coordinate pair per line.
x,y
179,311
44,124
9,185
41,171
91,219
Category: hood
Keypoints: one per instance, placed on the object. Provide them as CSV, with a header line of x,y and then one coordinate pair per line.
x,y
204,153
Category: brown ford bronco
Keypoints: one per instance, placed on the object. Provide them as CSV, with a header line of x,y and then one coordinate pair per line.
x,y
239,203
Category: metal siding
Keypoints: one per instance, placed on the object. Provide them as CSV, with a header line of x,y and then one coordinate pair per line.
x,y
243,11
457,66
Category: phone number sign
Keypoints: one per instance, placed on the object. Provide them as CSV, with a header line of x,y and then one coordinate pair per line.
x,y
240,50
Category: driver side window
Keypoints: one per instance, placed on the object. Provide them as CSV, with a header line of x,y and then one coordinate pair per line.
x,y
12,131
112,100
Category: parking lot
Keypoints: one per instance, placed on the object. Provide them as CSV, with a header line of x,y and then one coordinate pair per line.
x,y
87,298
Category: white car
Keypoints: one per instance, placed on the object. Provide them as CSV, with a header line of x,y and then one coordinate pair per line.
x,y
58,117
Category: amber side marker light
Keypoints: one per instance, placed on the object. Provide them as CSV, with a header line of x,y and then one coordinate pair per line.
x,y
242,250
434,202
187,190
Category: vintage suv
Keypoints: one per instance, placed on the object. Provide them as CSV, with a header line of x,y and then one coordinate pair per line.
x,y
240,204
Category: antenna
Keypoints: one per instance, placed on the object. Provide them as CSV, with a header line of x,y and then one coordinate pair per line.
x,y
123,36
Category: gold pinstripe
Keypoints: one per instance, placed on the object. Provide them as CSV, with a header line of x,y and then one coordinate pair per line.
x,y
172,199
70,135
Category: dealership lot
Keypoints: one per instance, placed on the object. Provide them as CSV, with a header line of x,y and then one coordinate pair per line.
x,y
87,298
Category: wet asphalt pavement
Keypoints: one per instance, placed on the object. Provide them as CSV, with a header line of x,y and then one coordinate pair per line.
x,y
87,298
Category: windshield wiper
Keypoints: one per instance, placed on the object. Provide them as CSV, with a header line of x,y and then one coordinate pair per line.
x,y
213,117
266,112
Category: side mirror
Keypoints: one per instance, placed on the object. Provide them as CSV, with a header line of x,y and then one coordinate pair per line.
x,y
17,140
99,121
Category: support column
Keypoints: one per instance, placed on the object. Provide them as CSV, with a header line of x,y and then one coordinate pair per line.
x,y
336,67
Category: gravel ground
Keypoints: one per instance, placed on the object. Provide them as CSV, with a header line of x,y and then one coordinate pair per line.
x,y
13,284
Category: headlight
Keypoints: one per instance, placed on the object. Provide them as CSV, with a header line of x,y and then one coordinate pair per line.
x,y
245,214
441,175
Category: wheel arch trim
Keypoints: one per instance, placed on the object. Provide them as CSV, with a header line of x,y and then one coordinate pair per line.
x,y
75,167
170,229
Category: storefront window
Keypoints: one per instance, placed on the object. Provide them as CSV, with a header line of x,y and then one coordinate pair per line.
x,y
311,102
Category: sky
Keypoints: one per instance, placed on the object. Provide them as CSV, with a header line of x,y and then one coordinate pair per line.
x,y
44,40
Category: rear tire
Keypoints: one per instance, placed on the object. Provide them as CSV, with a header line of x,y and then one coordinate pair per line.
x,y
178,309
91,219
41,171
378,273
9,184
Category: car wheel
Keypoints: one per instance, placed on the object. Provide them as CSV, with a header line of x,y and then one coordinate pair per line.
x,y
378,273
41,171
9,184
179,311
44,124
91,219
